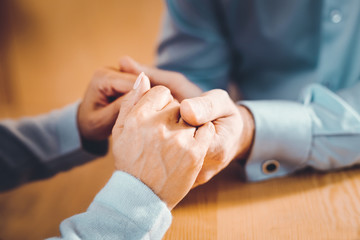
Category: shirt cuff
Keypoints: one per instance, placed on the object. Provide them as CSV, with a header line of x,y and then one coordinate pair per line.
x,y
67,129
131,198
71,151
282,139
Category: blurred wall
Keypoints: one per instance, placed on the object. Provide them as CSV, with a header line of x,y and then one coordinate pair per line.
x,y
48,52
51,45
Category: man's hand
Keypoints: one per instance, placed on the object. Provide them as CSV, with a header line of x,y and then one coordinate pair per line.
x,y
180,87
152,142
100,107
234,129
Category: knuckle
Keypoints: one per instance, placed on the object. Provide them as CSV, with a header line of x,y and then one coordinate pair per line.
x,y
131,121
140,115
161,90
183,144
222,93
178,141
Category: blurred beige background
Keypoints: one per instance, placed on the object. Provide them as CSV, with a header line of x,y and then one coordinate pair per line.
x,y
48,52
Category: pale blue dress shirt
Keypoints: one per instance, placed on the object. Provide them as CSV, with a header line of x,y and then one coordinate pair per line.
x,y
296,63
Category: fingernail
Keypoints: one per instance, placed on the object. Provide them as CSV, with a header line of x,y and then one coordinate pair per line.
x,y
146,77
138,80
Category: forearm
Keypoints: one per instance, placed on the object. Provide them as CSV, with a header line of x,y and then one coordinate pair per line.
x,y
38,147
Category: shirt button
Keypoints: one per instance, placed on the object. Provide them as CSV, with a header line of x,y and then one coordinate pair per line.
x,y
335,16
270,166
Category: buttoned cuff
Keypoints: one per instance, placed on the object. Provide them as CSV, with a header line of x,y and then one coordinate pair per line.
x,y
131,198
282,139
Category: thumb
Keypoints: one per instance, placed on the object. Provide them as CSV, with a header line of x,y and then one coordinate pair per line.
x,y
209,107
141,86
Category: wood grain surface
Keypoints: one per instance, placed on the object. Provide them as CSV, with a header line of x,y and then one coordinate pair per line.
x,y
53,47
307,205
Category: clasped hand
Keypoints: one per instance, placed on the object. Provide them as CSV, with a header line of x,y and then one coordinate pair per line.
x,y
234,124
169,153
153,143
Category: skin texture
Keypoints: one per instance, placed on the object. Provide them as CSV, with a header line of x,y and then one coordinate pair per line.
x,y
234,129
100,106
235,126
180,87
152,142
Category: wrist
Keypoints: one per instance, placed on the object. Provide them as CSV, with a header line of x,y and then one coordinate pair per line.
x,y
93,146
248,132
99,148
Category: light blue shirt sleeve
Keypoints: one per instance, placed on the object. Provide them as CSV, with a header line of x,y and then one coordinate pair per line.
x,y
192,42
271,52
38,147
124,209
322,131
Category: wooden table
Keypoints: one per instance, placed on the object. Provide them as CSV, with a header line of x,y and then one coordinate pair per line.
x,y
307,205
